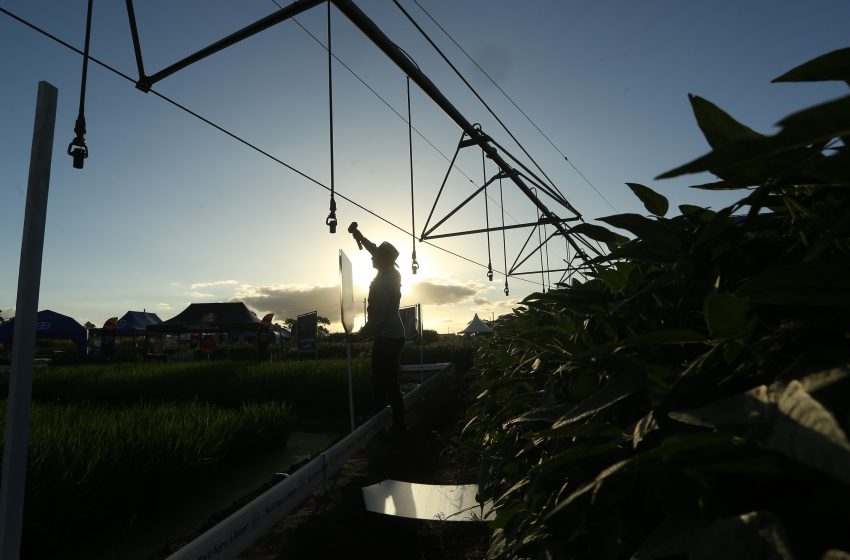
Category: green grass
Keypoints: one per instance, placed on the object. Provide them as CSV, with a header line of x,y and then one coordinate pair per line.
x,y
315,389
109,442
103,466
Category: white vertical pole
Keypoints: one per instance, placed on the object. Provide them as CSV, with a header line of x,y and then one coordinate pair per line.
x,y
350,386
26,309
421,358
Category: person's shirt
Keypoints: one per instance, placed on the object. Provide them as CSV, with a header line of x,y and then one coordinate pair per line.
x,y
384,297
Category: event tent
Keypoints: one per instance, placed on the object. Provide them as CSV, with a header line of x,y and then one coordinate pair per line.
x,y
210,318
134,323
50,324
476,326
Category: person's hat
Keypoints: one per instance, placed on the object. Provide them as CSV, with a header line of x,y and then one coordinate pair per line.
x,y
387,251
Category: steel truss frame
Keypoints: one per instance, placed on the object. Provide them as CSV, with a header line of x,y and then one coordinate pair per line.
x,y
472,135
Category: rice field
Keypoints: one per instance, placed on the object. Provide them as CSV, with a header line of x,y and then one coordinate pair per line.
x,y
111,442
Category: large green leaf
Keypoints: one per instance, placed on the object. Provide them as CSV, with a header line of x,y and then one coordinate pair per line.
x,y
726,315
718,186
819,380
599,233
576,452
744,537
655,203
758,158
800,284
673,537
807,432
656,233
816,124
616,277
616,389
717,125
669,449
834,169
751,407
658,338
830,66
785,419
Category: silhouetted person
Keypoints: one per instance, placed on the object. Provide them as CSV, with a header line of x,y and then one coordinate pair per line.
x,y
384,327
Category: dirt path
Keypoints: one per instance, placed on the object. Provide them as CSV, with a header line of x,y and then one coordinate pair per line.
x,y
337,525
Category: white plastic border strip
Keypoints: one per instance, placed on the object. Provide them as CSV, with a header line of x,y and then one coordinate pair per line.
x,y
238,531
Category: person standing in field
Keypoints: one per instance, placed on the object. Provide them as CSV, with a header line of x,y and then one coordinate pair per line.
x,y
384,327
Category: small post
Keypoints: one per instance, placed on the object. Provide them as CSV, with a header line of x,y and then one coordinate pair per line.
x,y
26,310
350,386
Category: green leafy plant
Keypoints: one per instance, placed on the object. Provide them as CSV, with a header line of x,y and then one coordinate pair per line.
x,y
690,399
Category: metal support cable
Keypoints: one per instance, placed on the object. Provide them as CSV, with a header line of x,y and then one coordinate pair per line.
x,y
540,246
77,149
487,217
472,89
413,265
509,98
504,242
330,221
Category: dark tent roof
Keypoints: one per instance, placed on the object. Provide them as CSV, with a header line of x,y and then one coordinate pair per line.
x,y
210,317
50,324
135,323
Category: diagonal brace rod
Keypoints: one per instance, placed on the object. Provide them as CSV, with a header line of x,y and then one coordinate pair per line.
x,y
495,228
464,203
292,10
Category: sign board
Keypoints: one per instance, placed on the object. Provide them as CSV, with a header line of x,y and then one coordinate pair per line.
x,y
208,345
346,292
410,322
307,327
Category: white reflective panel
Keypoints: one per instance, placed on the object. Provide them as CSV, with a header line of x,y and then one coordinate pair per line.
x,y
427,501
346,292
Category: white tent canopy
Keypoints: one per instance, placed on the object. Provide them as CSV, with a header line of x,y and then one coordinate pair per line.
x,y
476,326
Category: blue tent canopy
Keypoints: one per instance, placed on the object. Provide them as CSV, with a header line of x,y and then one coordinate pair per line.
x,y
134,323
50,324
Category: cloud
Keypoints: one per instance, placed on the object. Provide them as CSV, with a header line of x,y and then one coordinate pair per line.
x,y
431,293
198,285
163,306
290,301
199,295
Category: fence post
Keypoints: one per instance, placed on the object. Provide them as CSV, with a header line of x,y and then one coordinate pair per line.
x,y
26,310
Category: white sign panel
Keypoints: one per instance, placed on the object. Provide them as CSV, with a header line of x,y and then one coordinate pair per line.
x,y
346,292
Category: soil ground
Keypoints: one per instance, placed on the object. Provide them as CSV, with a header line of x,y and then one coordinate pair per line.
x,y
337,525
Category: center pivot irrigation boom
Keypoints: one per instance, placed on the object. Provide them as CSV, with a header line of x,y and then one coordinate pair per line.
x,y
520,175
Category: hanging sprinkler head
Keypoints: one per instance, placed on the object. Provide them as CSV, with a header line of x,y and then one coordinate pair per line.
x,y
330,221
77,149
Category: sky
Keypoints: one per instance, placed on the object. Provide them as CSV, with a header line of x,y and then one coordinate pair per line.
x,y
169,210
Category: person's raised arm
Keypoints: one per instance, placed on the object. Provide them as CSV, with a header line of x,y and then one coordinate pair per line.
x,y
361,239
